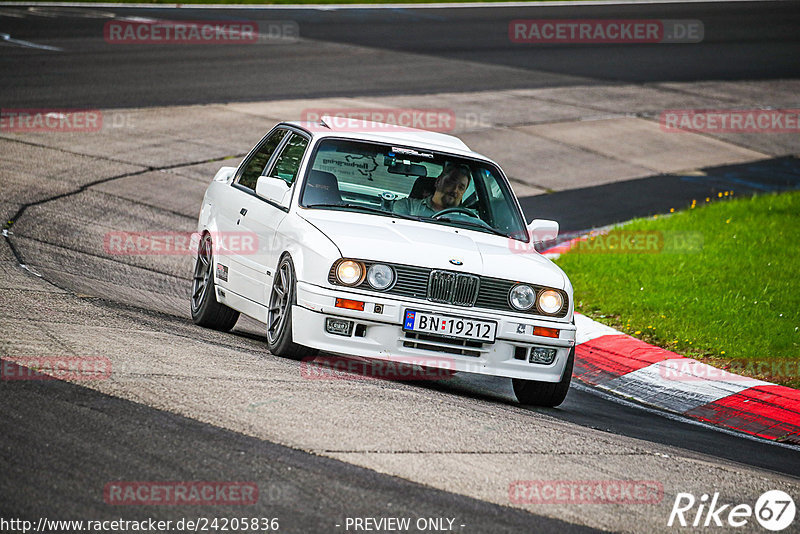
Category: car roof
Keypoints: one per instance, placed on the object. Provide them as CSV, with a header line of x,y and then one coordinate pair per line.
x,y
385,133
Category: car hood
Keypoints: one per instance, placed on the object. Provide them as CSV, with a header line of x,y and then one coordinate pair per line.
x,y
384,239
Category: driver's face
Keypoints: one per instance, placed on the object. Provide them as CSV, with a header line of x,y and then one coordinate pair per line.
x,y
451,188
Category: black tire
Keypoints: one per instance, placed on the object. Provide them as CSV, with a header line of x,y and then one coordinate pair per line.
x,y
206,310
550,394
279,314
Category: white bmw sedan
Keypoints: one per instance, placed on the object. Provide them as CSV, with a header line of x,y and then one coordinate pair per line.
x,y
389,243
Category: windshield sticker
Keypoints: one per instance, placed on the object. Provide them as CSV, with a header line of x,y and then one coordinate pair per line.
x,y
350,165
366,170
411,152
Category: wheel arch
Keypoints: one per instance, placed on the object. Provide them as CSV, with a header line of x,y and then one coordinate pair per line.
x,y
312,252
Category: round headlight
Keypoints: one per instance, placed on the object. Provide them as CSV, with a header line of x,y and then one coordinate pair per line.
x,y
350,273
380,276
550,301
522,297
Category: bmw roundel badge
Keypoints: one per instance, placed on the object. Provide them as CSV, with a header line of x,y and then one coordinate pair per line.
x,y
456,262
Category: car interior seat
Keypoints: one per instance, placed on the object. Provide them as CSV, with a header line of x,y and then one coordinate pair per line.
x,y
322,188
424,186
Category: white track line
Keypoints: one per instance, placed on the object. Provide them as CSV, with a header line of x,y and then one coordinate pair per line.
x,y
6,38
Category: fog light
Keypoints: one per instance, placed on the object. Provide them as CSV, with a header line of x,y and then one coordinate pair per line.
x,y
542,355
340,327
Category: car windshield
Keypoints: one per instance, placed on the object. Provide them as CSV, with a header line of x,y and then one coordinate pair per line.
x,y
402,182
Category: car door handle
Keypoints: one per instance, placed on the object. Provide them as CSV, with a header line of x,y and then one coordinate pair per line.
x,y
243,211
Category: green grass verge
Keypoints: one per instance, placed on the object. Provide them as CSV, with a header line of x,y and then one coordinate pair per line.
x,y
724,289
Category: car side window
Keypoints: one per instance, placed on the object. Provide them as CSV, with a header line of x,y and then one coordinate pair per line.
x,y
288,162
256,166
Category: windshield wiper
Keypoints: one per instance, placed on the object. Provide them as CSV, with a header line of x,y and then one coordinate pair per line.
x,y
369,209
480,225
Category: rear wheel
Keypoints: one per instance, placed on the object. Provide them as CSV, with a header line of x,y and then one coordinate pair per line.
x,y
279,314
534,393
206,311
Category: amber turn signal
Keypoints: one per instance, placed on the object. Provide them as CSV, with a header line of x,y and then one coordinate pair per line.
x,y
542,331
353,305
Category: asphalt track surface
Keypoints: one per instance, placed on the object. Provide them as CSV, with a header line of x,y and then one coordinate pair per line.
x,y
577,210
743,41
405,53
308,493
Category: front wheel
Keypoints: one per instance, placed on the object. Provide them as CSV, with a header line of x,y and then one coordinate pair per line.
x,y
279,314
550,394
206,310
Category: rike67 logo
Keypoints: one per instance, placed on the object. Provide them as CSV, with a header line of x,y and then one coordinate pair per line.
x,y
774,510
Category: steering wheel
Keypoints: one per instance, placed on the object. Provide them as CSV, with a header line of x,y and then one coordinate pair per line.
x,y
445,211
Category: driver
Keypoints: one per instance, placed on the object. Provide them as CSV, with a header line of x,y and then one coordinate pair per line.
x,y
449,188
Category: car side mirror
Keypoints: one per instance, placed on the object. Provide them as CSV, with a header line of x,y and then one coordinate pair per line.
x,y
542,230
224,174
274,190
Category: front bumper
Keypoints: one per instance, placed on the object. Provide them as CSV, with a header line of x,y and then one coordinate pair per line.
x,y
380,335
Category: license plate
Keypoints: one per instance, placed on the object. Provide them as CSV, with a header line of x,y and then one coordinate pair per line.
x,y
449,326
